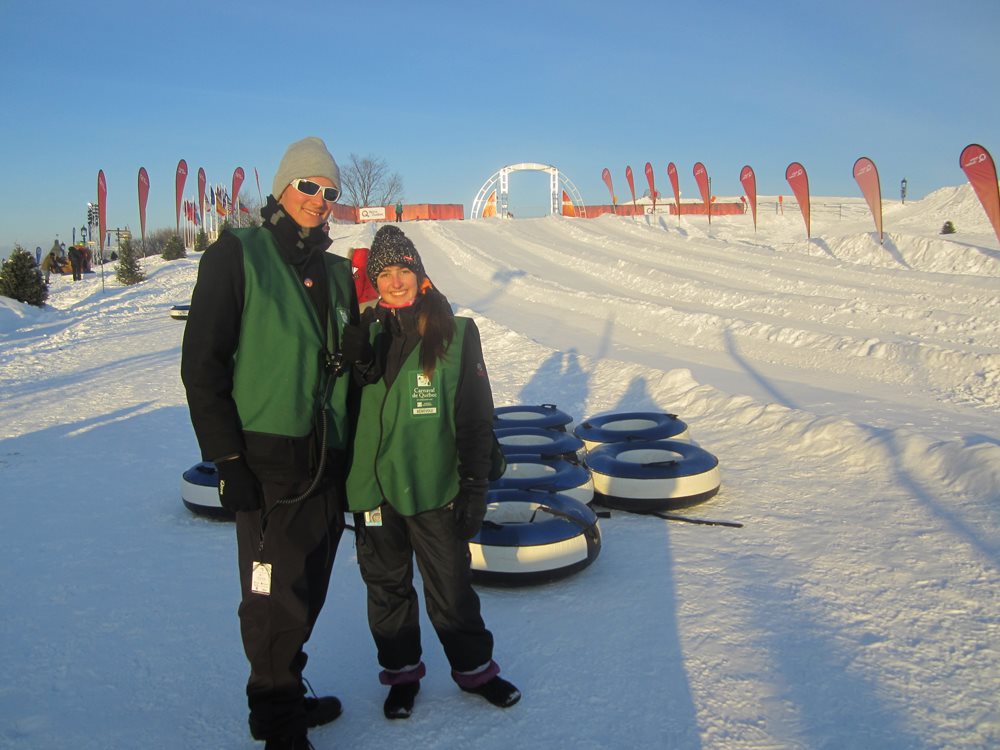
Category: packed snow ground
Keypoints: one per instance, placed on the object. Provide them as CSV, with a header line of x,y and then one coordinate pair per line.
x,y
849,389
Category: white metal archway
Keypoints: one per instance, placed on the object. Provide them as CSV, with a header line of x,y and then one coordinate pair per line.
x,y
498,184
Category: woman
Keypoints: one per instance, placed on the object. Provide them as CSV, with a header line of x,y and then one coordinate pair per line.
x,y
418,478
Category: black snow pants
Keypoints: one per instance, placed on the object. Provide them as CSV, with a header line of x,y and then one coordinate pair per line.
x,y
385,554
300,542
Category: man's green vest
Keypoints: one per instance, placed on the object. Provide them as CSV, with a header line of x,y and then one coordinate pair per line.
x,y
404,447
280,378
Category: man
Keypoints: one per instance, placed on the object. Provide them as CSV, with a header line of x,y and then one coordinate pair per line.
x,y
76,262
262,360
399,210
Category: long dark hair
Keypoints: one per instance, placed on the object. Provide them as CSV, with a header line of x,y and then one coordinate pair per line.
x,y
436,326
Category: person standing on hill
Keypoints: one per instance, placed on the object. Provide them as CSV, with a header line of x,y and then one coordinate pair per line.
x,y
48,262
271,327
399,210
419,477
76,261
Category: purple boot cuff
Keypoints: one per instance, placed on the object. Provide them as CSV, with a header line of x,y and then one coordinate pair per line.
x,y
387,677
470,681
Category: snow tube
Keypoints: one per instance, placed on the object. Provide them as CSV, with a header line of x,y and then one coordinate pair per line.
x,y
179,312
533,472
633,425
532,537
538,441
200,491
652,475
546,416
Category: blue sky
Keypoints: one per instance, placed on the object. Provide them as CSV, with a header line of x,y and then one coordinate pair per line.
x,y
449,92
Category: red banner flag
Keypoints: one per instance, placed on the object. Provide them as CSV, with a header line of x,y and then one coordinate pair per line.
x,y
631,182
981,170
866,175
143,196
238,178
798,180
701,177
652,187
102,208
201,190
749,182
606,176
179,180
672,174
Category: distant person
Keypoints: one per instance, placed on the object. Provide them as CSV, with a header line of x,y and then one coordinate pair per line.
x,y
399,210
271,321
76,262
48,262
419,477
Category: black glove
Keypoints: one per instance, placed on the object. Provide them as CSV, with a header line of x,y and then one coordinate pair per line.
x,y
469,507
239,489
355,347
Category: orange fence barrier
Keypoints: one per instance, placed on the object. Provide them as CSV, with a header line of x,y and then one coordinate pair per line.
x,y
718,209
411,212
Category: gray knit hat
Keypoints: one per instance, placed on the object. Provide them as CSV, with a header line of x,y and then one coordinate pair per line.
x,y
306,158
390,247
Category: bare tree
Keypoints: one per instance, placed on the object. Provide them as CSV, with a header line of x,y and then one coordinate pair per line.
x,y
367,182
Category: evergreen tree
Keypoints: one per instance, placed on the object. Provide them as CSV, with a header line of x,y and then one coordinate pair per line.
x,y
174,248
128,271
22,280
200,241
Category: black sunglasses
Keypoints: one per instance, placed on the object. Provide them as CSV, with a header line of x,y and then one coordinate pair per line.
x,y
308,187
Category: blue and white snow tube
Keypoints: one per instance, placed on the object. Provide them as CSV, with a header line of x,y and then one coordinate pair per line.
x,y
200,491
633,425
546,416
531,537
538,441
652,475
179,312
533,472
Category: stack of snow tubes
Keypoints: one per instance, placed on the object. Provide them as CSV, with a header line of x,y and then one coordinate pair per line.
x,y
645,461
539,526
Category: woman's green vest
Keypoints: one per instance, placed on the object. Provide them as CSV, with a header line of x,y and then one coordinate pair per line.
x,y
404,446
280,374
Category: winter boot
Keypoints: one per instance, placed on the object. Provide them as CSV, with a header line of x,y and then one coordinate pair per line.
x,y
299,742
497,691
320,711
399,704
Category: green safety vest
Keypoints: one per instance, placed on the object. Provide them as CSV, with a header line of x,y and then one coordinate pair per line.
x,y
404,447
280,375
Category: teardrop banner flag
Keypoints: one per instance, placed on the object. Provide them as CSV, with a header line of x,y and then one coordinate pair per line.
x,y
749,182
238,178
798,180
143,196
866,176
180,179
606,176
652,187
672,174
981,170
102,208
701,177
202,180
631,182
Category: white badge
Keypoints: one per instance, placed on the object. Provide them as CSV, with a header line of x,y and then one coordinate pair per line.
x,y
260,582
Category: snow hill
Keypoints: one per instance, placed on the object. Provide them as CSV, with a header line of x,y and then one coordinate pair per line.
x,y
849,389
